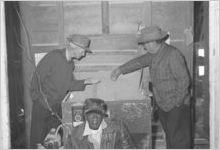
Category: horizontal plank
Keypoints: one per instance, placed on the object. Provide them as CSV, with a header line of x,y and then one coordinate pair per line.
x,y
126,41
98,42
93,60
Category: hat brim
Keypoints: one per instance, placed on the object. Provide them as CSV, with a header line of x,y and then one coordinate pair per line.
x,y
142,40
96,110
85,48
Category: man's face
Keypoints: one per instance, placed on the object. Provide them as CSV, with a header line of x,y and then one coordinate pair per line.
x,y
76,52
151,47
94,119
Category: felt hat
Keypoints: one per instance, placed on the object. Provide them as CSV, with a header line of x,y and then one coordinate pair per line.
x,y
81,41
151,33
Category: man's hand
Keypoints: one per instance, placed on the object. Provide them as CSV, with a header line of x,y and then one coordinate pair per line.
x,y
90,81
115,74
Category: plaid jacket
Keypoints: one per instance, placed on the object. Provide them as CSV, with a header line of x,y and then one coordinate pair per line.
x,y
169,75
115,136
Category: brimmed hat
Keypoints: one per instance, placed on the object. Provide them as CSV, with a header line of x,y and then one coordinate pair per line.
x,y
81,41
95,104
151,33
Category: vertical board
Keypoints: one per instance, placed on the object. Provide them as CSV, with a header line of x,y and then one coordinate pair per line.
x,y
43,21
125,17
201,82
82,18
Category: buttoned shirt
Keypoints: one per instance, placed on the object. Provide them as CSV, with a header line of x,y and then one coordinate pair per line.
x,y
169,75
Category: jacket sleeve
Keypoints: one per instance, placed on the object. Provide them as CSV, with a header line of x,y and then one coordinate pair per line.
x,y
77,85
136,64
181,75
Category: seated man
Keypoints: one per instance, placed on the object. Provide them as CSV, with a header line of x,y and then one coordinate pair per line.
x,y
98,131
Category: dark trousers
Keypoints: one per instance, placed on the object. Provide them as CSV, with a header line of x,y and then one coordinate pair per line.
x,y
177,126
41,123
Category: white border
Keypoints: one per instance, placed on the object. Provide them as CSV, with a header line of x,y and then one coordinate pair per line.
x,y
4,101
214,81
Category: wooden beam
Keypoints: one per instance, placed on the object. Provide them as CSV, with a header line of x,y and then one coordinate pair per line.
x,y
61,23
28,64
147,10
105,17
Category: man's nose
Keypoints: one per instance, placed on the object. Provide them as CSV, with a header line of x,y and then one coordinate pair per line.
x,y
95,117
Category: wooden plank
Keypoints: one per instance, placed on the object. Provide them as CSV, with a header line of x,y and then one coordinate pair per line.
x,y
104,59
105,17
27,61
114,41
99,43
61,23
82,18
97,59
147,20
125,17
170,16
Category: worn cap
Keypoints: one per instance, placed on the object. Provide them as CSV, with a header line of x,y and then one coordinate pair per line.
x,y
151,33
95,104
81,41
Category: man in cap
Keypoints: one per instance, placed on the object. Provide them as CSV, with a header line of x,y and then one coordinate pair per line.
x,y
98,130
51,81
170,80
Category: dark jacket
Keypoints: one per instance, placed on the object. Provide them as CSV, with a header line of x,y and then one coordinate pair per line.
x,y
115,136
169,75
54,74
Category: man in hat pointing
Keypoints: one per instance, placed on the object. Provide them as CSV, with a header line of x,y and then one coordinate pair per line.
x,y
170,80
51,81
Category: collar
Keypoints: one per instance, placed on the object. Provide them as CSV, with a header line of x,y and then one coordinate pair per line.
x,y
161,48
67,54
88,131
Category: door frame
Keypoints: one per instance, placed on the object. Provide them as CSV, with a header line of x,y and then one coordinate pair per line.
x,y
214,78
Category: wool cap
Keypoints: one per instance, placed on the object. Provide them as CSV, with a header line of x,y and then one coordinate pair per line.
x,y
95,104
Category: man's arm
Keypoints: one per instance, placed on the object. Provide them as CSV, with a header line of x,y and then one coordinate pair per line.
x,y
131,66
77,85
180,72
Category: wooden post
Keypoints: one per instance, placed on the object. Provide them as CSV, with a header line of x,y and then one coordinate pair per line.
x,y
29,67
61,23
4,102
105,17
